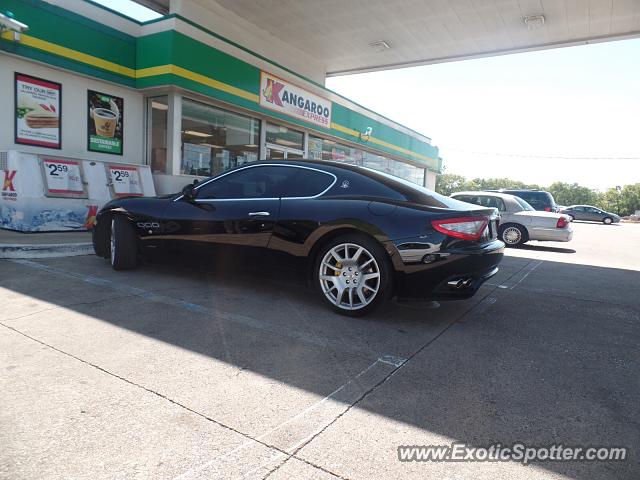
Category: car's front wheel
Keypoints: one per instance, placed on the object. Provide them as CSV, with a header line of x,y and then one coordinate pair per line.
x,y
353,274
123,244
608,220
513,234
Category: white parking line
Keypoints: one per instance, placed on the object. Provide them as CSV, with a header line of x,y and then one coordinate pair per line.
x,y
528,272
288,436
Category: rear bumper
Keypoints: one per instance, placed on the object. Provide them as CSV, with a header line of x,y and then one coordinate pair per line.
x,y
456,274
551,234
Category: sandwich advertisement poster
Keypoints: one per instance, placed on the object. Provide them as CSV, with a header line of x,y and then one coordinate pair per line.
x,y
38,111
106,123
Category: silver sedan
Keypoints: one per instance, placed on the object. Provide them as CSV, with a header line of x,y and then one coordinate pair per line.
x,y
520,222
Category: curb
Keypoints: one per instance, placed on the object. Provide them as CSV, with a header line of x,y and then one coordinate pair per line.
x,y
53,250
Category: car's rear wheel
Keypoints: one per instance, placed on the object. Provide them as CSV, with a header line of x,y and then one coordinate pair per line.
x,y
123,244
513,234
353,274
607,220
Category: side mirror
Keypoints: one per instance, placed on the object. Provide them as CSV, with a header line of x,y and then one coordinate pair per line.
x,y
189,192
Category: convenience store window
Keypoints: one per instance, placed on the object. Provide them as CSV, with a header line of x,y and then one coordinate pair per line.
x,y
215,140
325,149
409,172
157,108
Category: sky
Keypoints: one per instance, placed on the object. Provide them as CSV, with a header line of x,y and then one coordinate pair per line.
x,y
508,116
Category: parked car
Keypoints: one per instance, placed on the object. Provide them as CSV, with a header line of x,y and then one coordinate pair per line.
x,y
519,221
363,235
590,214
538,199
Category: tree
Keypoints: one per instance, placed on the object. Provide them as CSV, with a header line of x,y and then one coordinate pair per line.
x,y
448,183
609,200
572,194
623,202
629,199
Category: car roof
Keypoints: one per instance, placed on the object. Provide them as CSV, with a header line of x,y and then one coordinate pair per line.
x,y
506,196
411,191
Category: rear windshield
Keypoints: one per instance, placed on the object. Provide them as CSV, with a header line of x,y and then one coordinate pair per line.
x,y
523,204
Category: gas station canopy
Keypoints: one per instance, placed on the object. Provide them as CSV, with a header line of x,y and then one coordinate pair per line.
x,y
359,36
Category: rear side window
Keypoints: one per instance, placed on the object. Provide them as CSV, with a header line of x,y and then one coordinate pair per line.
x,y
538,200
304,182
351,183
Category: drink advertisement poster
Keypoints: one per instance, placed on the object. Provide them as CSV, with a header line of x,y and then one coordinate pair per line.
x,y
38,112
105,123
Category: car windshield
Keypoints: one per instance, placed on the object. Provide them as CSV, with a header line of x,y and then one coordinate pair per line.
x,y
524,205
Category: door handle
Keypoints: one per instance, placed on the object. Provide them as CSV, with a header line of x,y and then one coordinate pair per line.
x,y
259,214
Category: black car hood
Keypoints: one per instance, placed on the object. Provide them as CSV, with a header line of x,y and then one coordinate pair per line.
x,y
139,205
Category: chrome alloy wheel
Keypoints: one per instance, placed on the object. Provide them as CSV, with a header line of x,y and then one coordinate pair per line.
x,y
112,241
349,276
511,235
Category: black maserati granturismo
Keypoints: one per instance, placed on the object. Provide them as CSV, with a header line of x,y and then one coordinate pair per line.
x,y
362,235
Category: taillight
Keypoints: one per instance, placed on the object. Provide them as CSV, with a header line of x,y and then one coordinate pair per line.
x,y
465,228
562,222
547,209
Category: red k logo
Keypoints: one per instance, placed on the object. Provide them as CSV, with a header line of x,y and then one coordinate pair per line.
x,y
7,185
272,92
90,221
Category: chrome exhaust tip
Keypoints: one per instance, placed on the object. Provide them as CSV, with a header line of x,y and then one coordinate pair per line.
x,y
460,283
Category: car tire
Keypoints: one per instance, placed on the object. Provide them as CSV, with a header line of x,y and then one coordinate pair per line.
x,y
365,264
123,247
513,234
607,220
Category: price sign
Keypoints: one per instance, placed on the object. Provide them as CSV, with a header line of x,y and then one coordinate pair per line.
x,y
63,178
125,181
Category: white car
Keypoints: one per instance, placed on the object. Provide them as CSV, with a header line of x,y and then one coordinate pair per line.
x,y
520,222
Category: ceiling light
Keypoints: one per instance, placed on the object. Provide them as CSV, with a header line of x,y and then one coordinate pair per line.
x,y
534,22
251,145
379,45
159,106
197,134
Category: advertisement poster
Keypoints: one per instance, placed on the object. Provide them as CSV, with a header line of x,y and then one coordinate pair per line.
x,y
125,181
105,123
63,178
281,96
38,113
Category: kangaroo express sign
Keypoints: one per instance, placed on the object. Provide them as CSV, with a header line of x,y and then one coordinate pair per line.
x,y
281,96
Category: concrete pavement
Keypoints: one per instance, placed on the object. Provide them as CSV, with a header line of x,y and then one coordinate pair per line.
x,y
172,372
